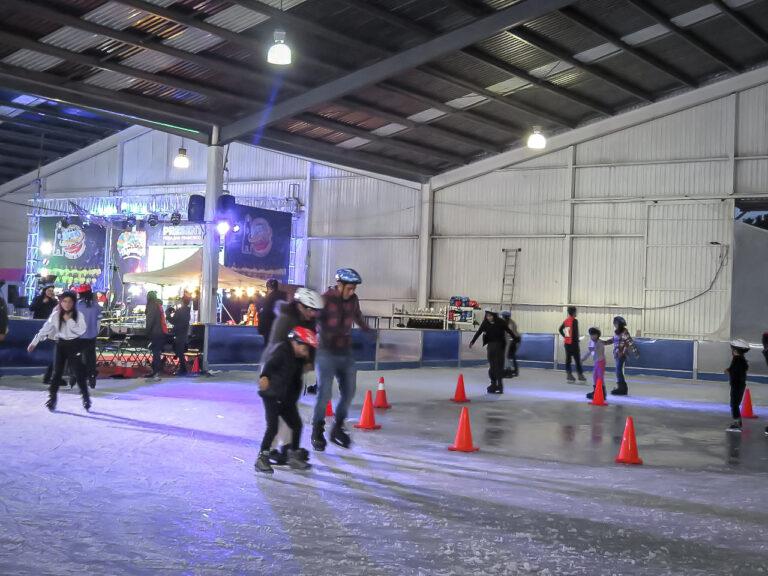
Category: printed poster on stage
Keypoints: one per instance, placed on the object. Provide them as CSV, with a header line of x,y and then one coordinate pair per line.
x,y
262,246
77,251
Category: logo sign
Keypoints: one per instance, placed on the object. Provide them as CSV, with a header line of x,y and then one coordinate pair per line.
x,y
132,244
184,235
71,241
257,239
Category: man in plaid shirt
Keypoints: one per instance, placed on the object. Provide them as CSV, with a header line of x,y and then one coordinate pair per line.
x,y
334,355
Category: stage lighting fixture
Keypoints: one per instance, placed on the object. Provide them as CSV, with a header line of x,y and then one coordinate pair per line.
x,y
46,248
222,227
152,220
236,228
175,219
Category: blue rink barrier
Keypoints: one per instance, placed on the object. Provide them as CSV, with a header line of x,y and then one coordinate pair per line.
x,y
14,358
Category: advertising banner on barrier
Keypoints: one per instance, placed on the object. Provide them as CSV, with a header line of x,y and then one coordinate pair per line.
x,y
75,251
261,248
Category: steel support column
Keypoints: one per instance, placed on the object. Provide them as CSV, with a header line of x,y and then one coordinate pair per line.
x,y
425,246
210,275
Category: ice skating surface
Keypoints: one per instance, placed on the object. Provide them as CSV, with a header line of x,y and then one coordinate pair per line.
x,y
159,480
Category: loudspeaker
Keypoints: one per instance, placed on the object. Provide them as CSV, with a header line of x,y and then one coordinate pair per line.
x,y
225,206
196,208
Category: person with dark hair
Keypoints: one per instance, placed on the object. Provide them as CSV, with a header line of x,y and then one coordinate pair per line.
x,y
737,378
494,330
267,310
92,314
514,342
623,345
341,309
597,352
180,319
156,331
65,326
279,388
569,330
42,306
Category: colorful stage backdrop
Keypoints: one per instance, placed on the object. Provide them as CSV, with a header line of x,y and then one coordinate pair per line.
x,y
78,251
262,246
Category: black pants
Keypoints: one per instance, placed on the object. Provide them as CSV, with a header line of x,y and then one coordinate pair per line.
x,y
156,344
69,351
89,358
737,394
512,355
495,351
179,347
572,353
288,411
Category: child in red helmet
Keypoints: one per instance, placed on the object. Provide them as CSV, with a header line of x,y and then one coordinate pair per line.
x,y
280,385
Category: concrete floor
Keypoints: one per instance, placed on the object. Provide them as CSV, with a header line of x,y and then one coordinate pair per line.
x,y
159,479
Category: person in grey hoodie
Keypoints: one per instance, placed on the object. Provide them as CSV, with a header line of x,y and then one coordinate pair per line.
x,y
92,314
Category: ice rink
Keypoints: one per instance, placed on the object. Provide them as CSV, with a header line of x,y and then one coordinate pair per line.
x,y
158,479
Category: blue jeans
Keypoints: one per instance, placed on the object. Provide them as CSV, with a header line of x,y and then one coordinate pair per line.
x,y
328,366
621,383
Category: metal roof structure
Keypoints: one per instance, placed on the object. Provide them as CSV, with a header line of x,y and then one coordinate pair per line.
x,y
408,88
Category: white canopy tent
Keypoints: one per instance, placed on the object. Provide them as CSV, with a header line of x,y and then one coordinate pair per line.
x,y
188,273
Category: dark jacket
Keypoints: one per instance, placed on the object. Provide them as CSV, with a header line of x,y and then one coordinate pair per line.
x,y
3,316
336,320
737,371
574,332
493,331
180,320
267,312
284,371
155,316
42,310
288,317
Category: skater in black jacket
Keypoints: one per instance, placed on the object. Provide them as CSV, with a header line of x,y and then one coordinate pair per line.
x,y
737,377
280,385
493,330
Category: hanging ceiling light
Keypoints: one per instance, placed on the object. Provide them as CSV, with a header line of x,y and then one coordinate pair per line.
x,y
181,160
537,141
279,53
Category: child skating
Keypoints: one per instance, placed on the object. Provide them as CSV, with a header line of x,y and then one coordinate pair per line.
x,y
622,346
280,385
597,352
737,378
569,330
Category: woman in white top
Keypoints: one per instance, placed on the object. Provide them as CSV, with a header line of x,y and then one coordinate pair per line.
x,y
65,326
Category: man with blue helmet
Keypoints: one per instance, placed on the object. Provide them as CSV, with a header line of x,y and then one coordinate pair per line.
x,y
334,355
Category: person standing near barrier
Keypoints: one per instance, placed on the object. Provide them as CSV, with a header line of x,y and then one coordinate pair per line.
x,y
334,356
623,345
737,378
65,326
512,345
42,306
267,310
157,332
569,330
92,314
494,330
180,320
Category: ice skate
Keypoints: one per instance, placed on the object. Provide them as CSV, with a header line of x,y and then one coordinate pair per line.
x,y
51,402
279,457
499,388
581,377
296,461
87,404
766,430
339,436
92,382
734,427
491,389
590,395
619,392
318,439
569,378
262,463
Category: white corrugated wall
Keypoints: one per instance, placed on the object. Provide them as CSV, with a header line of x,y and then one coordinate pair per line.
x,y
642,218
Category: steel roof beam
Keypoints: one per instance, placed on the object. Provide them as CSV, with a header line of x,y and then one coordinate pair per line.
x,y
86,126
34,140
42,128
545,45
598,29
30,151
395,64
655,14
742,21
424,33
388,141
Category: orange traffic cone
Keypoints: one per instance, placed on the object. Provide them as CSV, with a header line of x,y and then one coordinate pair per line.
x,y
381,396
463,440
460,395
367,418
598,398
329,409
628,451
746,406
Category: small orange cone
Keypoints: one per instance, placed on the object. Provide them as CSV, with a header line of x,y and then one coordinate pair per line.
x,y
463,440
329,409
460,395
746,406
367,418
598,399
628,451
196,365
381,396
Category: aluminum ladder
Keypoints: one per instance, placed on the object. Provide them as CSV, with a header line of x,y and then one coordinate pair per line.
x,y
508,277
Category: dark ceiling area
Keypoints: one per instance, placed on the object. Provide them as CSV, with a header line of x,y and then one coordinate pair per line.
x,y
409,88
